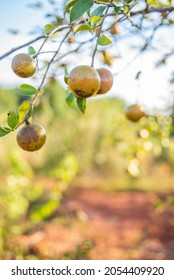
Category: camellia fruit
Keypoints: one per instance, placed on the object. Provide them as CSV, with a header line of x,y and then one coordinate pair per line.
x,y
134,112
106,80
107,58
97,30
23,65
114,29
84,81
31,137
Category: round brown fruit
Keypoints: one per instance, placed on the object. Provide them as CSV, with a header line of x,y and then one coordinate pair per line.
x,y
23,65
114,29
84,81
97,30
52,80
71,39
106,80
135,112
31,137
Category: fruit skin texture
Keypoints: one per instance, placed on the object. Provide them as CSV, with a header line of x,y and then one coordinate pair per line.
x,y
135,112
84,81
106,80
23,65
31,137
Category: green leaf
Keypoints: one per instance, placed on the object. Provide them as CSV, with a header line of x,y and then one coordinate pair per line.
x,y
12,119
49,27
103,40
98,12
31,50
128,2
94,20
28,90
171,21
83,27
117,10
69,5
70,98
81,103
79,8
66,75
4,131
24,108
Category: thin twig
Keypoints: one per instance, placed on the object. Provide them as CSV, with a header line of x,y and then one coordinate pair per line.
x,y
74,50
52,60
150,10
42,45
21,46
26,117
160,10
58,28
100,29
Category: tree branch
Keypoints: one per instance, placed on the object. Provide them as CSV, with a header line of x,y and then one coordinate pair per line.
x,y
153,10
52,60
22,46
25,119
58,28
100,29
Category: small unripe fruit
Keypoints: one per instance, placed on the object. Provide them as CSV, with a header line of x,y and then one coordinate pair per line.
x,y
114,29
23,65
84,81
97,31
71,39
135,112
52,80
31,137
106,80
107,58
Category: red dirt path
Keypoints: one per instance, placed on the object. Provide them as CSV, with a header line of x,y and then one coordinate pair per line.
x,y
120,225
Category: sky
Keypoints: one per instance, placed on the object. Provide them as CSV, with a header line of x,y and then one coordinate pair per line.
x,y
152,90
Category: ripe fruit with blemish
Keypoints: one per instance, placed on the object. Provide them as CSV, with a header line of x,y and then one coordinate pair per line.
x,y
84,81
23,65
31,137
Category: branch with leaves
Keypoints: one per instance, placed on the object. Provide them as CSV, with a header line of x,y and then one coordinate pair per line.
x,y
97,18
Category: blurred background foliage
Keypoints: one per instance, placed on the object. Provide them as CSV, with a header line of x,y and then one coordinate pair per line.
x,y
100,149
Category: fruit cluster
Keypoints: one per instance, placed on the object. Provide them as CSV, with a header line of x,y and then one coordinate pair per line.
x,y
30,137
83,81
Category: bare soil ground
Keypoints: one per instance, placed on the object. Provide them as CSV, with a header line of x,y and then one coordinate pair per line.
x,y
122,225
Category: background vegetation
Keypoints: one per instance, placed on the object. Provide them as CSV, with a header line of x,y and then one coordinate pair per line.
x,y
100,150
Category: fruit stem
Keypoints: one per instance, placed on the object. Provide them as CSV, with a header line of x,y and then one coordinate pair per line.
x,y
98,35
27,122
